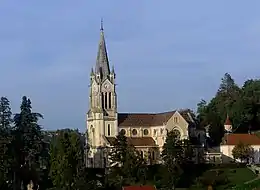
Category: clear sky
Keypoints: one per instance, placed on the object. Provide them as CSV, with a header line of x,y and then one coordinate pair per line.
x,y
167,54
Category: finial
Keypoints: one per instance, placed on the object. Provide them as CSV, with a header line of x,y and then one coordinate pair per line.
x,y
92,71
113,69
101,25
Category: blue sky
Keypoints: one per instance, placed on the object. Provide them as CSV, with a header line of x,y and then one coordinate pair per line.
x,y
167,54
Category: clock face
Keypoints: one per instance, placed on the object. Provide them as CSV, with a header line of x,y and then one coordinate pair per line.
x,y
105,86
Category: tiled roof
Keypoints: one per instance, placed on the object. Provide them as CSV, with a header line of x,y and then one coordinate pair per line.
x,y
135,141
143,119
145,187
227,122
148,119
234,139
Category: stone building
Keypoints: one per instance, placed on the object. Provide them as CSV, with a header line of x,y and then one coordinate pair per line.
x,y
146,131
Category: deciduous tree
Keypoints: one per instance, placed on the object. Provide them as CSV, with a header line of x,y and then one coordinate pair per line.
x,y
67,160
243,152
172,156
128,163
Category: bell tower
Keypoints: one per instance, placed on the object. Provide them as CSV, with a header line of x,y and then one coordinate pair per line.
x,y
102,114
228,125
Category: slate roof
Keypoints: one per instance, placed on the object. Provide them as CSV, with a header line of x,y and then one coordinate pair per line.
x,y
149,119
102,63
135,141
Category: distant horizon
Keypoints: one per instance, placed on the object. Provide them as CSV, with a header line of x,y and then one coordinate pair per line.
x,y
167,56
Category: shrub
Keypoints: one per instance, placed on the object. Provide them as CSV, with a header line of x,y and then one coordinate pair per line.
x,y
221,180
219,172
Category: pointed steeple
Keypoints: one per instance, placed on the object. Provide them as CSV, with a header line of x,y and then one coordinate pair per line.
x,y
228,124
102,63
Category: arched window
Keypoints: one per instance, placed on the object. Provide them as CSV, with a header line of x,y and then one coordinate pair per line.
x,y
153,155
154,132
108,130
105,162
177,133
142,154
103,100
161,131
134,132
122,131
106,100
109,100
93,134
146,132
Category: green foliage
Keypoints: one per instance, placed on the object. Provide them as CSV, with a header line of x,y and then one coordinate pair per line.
x,y
242,104
130,167
27,144
175,155
66,160
28,134
242,151
5,141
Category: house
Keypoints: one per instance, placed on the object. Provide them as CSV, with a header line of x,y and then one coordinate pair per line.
x,y
231,140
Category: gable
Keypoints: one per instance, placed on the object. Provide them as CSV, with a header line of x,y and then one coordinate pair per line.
x,y
177,119
107,85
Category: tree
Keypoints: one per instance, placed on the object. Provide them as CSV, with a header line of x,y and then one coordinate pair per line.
x,y
228,100
67,160
28,143
172,155
5,141
129,163
243,152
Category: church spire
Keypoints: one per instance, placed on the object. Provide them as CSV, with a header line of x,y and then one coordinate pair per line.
x,y
102,63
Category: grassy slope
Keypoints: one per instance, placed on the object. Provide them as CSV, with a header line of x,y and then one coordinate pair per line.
x,y
240,176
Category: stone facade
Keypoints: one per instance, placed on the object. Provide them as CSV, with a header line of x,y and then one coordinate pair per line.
x,y
146,131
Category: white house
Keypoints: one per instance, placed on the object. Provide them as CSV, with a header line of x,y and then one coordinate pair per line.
x,y
231,140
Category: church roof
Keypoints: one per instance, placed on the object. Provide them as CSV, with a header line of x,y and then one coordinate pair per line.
x,y
149,119
135,141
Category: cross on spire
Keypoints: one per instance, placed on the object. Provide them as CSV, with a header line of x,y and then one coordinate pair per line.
x,y
101,25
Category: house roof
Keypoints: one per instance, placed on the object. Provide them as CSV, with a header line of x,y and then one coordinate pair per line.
x,y
234,139
135,141
149,119
145,187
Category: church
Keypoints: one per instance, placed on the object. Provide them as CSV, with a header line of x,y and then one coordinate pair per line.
x,y
146,131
